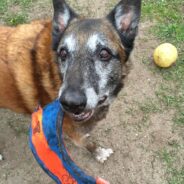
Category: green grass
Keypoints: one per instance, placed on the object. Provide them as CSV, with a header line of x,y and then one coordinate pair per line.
x,y
23,3
169,18
168,26
11,18
3,6
177,176
15,19
149,106
169,158
179,118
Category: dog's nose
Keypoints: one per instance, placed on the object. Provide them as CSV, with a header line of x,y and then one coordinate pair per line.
x,y
73,101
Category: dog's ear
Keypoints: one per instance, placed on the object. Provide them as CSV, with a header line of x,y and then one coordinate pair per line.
x,y
125,18
63,15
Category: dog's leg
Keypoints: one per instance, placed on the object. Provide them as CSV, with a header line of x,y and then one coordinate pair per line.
x,y
83,140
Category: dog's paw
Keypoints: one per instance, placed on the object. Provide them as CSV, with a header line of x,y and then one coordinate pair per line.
x,y
1,157
103,154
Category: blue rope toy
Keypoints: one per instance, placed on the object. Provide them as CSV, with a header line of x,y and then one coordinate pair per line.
x,y
47,145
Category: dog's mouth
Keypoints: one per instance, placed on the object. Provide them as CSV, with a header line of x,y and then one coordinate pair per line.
x,y
82,117
86,115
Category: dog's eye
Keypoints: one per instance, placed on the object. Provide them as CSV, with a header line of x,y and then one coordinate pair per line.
x,y
63,54
105,55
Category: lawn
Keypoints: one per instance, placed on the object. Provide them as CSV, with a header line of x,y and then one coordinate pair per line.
x,y
168,18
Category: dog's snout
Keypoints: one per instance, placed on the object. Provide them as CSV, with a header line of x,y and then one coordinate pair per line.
x,y
73,101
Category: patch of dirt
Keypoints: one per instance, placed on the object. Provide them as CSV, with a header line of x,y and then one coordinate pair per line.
x,y
134,141
41,9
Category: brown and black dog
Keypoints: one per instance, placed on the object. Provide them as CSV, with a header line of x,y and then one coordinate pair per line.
x,y
80,61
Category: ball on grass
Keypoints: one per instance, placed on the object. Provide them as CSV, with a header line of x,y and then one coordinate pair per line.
x,y
165,55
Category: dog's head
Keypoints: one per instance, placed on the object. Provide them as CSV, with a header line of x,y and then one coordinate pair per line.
x,y
92,55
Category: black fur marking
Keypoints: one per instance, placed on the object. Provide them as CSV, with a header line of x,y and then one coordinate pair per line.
x,y
118,89
93,78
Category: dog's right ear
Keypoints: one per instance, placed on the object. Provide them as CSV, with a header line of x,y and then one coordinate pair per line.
x,y
63,15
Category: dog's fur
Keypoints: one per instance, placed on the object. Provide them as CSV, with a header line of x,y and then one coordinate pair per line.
x,y
82,60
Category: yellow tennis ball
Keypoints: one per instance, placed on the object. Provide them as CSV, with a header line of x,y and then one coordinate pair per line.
x,y
165,55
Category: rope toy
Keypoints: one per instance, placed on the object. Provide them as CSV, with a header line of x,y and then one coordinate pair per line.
x,y
47,145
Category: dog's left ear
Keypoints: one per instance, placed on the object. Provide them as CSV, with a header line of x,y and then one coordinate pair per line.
x,y
63,15
125,18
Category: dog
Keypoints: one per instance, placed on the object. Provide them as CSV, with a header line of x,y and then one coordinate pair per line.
x,y
82,62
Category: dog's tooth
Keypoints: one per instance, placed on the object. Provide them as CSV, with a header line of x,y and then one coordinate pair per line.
x,y
83,116
87,114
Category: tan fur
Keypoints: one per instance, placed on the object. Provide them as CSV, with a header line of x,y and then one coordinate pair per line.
x,y
28,72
